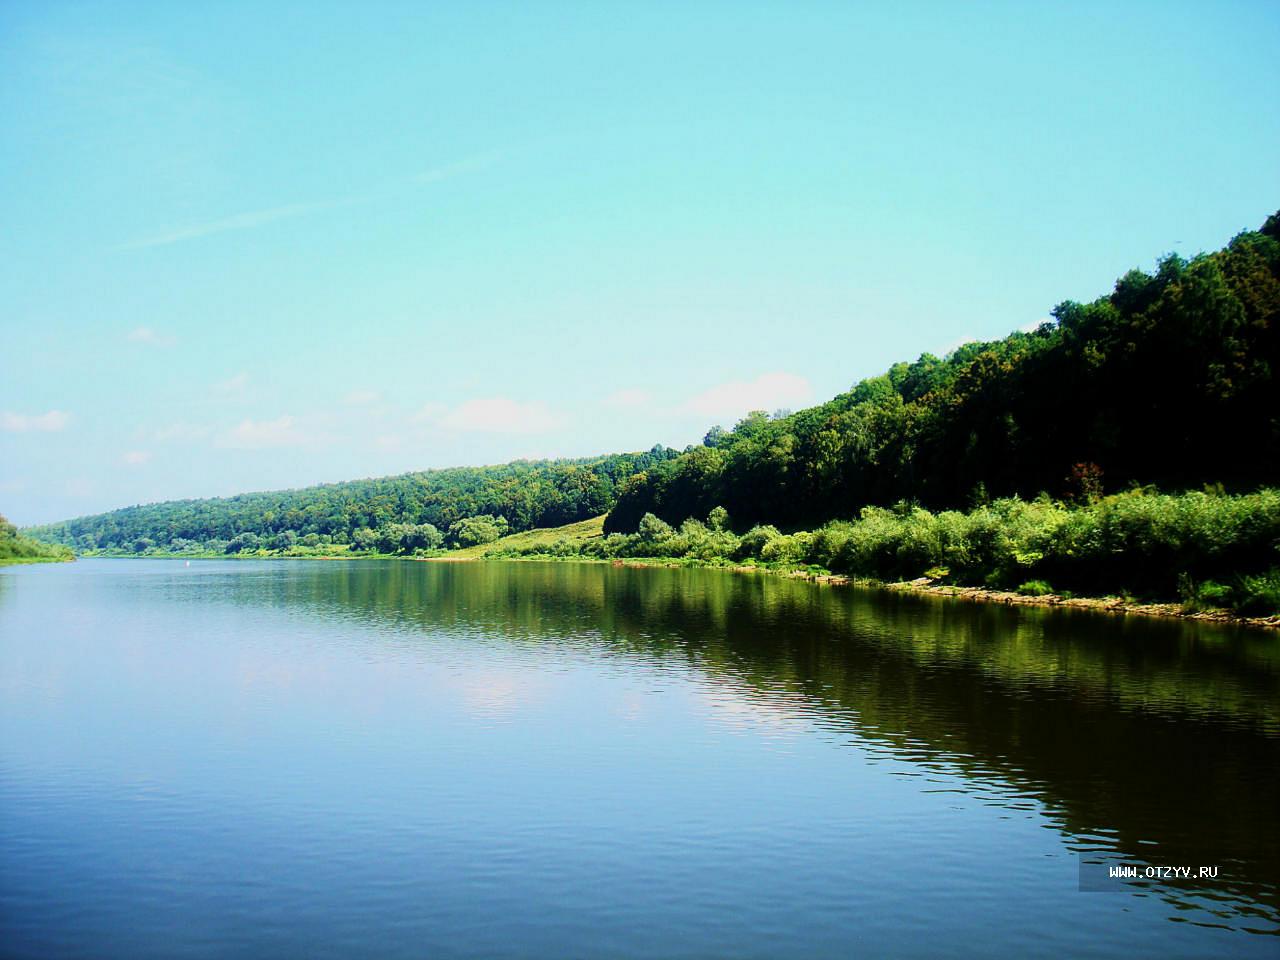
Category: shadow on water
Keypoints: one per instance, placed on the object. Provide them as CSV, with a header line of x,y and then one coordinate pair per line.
x,y
1144,741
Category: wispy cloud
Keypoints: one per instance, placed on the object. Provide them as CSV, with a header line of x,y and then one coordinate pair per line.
x,y
249,219
232,386
239,221
283,431
153,337
179,432
80,487
361,398
135,458
769,391
630,398
493,415
50,422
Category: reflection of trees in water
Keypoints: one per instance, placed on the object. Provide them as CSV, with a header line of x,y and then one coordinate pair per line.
x,y
1142,730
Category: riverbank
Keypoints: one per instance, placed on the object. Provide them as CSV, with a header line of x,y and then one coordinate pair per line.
x,y
16,561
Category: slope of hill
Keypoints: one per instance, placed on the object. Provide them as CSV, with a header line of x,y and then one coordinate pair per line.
x,y
1169,380
572,536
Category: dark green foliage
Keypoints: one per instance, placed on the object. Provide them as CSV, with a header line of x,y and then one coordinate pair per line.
x,y
408,538
523,495
1169,380
1035,588
473,531
1258,595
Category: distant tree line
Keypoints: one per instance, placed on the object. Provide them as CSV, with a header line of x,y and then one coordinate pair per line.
x,y
403,514
1170,380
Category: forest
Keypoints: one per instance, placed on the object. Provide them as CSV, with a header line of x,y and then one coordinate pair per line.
x,y
463,506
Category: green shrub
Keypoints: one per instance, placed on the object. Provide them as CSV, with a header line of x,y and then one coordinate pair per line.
x,y
752,543
1259,595
1035,588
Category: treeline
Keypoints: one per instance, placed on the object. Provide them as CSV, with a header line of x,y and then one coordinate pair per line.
x,y
1170,380
461,506
1209,549
15,548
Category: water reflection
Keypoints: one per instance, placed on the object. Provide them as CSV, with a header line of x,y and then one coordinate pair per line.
x,y
1146,740
576,759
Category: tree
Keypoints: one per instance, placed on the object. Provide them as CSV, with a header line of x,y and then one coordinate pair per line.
x,y
473,531
718,519
242,541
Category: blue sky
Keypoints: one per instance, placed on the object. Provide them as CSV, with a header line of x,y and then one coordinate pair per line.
x,y
249,246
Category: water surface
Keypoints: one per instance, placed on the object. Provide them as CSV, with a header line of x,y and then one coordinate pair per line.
x,y
369,759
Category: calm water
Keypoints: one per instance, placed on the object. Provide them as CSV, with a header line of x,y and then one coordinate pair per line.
x,y
289,759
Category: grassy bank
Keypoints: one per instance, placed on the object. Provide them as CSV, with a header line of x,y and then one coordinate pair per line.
x,y
1203,551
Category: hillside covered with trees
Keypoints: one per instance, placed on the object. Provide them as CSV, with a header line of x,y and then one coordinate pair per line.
x,y
1170,380
415,511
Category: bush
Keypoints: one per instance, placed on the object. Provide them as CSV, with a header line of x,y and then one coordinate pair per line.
x,y
788,549
752,543
473,531
1259,596
242,541
1035,588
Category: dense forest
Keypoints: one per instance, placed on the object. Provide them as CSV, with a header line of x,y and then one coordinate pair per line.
x,y
462,506
15,548
1170,380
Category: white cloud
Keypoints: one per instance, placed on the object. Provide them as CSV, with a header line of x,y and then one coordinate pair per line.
x,y
80,487
361,398
179,432
1035,325
135,458
769,391
49,422
429,412
232,386
493,415
629,398
148,335
265,434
